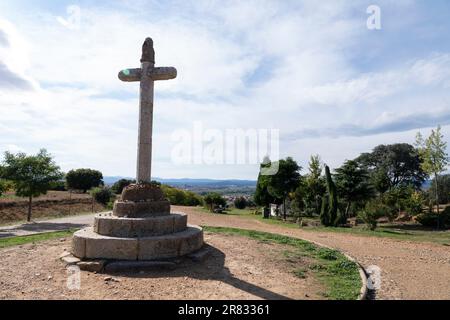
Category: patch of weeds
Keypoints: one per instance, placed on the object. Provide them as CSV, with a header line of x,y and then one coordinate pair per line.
x,y
15,241
300,273
327,254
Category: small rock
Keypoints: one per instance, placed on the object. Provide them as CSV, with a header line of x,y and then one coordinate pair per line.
x,y
49,278
37,274
107,278
69,260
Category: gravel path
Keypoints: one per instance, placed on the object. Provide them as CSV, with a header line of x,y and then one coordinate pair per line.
x,y
409,270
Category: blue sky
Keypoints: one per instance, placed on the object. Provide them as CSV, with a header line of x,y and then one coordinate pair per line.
x,y
310,69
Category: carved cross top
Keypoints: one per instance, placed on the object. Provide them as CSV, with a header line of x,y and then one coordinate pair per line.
x,y
146,75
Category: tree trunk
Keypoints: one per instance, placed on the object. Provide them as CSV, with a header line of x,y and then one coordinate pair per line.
x,y
30,201
437,199
347,209
284,209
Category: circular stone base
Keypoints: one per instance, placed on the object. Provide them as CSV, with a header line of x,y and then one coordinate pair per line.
x,y
87,244
110,225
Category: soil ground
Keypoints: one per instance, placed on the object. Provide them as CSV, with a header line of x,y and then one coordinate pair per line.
x,y
238,268
409,270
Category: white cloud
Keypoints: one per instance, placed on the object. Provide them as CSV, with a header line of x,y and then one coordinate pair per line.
x,y
252,64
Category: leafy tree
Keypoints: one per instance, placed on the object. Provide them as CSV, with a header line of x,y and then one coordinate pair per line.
x,y
262,196
32,175
214,199
83,179
286,180
434,156
240,203
181,197
103,195
315,186
352,183
393,165
118,186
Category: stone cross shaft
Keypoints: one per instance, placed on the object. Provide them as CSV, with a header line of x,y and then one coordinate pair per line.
x,y
146,75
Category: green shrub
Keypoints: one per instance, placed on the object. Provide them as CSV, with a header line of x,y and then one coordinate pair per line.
x,y
58,186
83,179
433,219
118,186
102,195
374,209
240,203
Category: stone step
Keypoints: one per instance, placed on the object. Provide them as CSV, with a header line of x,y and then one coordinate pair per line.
x,y
110,225
87,244
140,209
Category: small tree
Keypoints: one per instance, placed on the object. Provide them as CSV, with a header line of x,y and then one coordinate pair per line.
x,y
433,153
214,199
353,185
32,175
118,186
285,181
83,179
315,186
240,203
102,195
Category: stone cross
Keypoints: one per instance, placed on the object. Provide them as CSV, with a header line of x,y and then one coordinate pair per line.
x,y
146,74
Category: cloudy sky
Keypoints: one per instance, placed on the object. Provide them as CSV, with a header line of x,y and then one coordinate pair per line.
x,y
315,72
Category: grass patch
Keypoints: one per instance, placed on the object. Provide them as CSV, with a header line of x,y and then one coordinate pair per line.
x,y
339,275
15,241
383,231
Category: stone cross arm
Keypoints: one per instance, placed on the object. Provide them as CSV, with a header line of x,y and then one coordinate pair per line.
x,y
159,73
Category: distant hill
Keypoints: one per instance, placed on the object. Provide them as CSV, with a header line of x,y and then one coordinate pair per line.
x,y
186,182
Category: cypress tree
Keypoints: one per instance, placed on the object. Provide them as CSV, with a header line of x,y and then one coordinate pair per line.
x,y
332,199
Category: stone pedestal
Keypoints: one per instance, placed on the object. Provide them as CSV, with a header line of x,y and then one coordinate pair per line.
x,y
140,227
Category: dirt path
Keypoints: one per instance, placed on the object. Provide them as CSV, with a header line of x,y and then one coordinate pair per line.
x,y
409,270
237,268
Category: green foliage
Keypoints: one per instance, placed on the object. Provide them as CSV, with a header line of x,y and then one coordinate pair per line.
x,y
433,219
394,165
262,196
240,203
58,186
374,210
332,199
181,197
314,186
352,182
83,179
325,212
414,203
284,181
433,153
298,200
443,188
102,195
32,175
118,186
214,199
